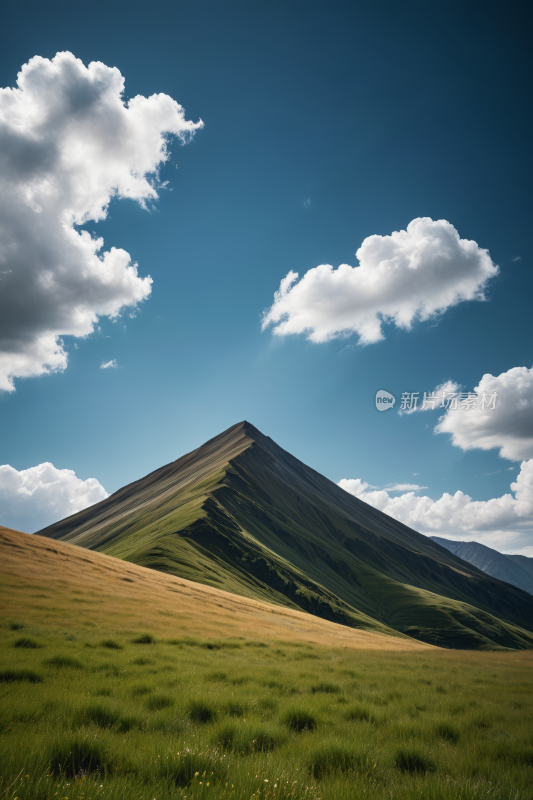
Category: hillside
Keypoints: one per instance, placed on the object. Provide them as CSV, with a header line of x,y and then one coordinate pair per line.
x,y
505,568
50,584
243,515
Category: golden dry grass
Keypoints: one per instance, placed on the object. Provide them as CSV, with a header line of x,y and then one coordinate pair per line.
x,y
51,583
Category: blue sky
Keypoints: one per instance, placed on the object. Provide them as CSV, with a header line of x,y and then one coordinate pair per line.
x,y
324,124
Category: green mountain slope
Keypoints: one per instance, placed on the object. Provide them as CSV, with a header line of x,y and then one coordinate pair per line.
x,y
242,514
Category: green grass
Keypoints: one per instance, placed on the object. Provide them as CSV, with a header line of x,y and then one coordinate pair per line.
x,y
240,722
144,638
299,719
413,759
63,661
88,722
9,675
111,644
25,641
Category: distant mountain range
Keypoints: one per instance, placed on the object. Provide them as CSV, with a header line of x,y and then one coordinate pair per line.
x,y
516,570
522,561
243,515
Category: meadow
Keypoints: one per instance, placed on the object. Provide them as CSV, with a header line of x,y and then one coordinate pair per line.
x,y
121,682
139,717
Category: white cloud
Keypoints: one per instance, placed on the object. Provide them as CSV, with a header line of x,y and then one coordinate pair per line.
x,y
36,497
68,145
109,364
408,276
447,388
524,551
504,521
508,427
404,487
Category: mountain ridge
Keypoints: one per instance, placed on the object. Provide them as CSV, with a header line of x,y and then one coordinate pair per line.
x,y
494,563
525,562
243,514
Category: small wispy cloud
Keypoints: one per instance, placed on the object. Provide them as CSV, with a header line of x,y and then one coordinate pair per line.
x,y
423,404
517,258
307,202
109,364
403,487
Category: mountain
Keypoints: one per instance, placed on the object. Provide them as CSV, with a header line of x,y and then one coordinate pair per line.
x,y
500,566
243,515
524,562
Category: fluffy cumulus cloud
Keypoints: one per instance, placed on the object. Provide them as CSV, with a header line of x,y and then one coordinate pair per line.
x,y
408,276
500,522
36,497
69,143
508,426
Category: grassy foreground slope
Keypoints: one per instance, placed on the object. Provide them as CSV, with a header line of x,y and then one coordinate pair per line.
x,y
121,682
57,583
242,514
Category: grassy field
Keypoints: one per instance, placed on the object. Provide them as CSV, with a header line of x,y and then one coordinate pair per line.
x,y
111,687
